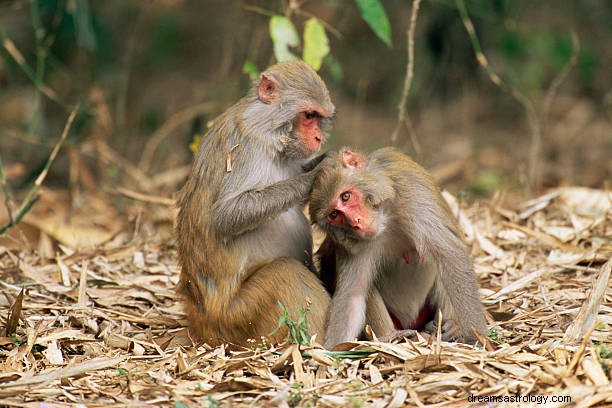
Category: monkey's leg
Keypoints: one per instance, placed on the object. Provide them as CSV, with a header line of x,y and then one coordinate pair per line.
x,y
377,315
255,311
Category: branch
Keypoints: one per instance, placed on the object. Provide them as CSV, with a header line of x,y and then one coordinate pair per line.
x,y
18,58
31,197
167,128
532,115
401,108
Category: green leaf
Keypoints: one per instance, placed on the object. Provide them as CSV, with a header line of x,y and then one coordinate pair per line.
x,y
352,354
374,14
284,35
250,69
316,44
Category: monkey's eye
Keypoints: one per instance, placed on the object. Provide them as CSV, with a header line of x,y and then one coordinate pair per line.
x,y
334,214
345,196
311,114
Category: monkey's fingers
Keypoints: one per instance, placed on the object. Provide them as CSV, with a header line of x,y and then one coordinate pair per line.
x,y
316,162
398,334
450,330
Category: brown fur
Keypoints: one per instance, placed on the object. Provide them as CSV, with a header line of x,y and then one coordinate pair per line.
x,y
411,217
243,243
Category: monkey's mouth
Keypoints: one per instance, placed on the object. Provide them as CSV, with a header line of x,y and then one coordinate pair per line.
x,y
357,228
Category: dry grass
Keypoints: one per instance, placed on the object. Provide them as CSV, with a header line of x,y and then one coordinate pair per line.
x,y
103,327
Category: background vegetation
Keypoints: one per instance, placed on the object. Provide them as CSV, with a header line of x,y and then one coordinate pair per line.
x,y
100,104
149,75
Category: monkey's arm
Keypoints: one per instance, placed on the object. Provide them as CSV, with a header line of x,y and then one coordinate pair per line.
x,y
457,283
455,286
247,210
347,311
315,162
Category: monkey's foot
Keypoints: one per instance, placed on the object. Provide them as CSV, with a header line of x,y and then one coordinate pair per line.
x,y
450,330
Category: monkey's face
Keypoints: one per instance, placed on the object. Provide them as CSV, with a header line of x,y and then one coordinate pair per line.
x,y
348,211
349,200
309,129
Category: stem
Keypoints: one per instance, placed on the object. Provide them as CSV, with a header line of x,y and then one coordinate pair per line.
x,y
31,197
401,108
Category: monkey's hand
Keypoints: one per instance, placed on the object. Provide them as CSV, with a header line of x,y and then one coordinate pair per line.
x,y
316,162
237,213
450,330
398,334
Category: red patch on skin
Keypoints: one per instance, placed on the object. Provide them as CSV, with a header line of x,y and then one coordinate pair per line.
x,y
406,256
396,323
425,315
310,131
351,213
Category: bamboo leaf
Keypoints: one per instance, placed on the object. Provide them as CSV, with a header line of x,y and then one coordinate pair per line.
x,y
316,43
374,14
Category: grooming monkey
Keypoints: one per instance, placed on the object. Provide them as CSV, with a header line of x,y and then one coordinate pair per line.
x,y
394,253
243,243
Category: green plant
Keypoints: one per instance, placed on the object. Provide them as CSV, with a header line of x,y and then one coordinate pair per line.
x,y
356,402
298,329
295,394
315,42
212,401
603,354
496,336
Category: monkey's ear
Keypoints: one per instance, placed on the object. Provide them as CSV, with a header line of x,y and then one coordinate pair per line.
x,y
268,89
352,160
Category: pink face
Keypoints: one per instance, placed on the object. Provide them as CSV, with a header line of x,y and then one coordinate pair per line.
x,y
309,127
348,211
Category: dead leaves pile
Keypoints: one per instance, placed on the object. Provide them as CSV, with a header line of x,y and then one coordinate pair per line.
x,y
103,327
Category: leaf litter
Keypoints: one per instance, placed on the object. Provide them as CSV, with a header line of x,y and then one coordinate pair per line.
x,y
102,326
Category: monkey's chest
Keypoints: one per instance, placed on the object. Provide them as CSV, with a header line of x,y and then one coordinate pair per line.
x,y
285,235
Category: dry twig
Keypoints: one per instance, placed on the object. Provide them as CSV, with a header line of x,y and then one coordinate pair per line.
x,y
401,108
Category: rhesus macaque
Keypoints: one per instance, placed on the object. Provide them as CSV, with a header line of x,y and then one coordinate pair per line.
x,y
394,253
243,242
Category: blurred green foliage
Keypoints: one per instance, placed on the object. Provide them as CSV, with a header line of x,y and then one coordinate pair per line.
x,y
374,14
151,59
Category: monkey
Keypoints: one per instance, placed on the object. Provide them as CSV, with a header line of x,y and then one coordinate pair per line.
x,y
243,243
393,254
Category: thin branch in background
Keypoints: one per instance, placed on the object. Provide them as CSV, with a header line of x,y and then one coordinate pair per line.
x,y
293,5
551,92
126,66
167,128
401,108
41,58
31,197
325,24
18,58
259,10
535,119
8,198
532,115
